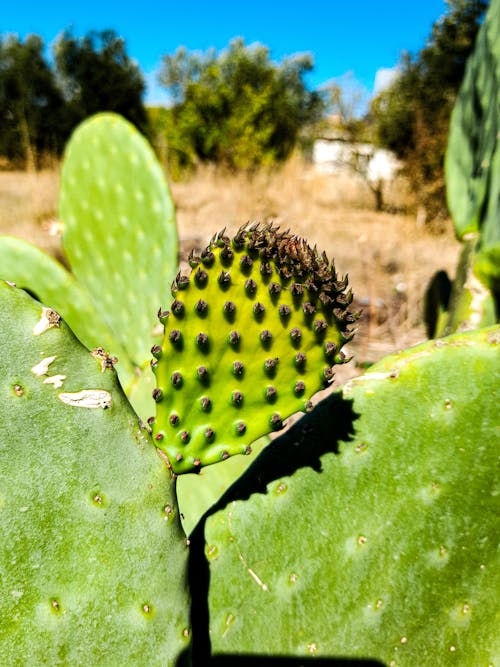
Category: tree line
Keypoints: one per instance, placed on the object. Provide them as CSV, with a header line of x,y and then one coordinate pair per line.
x,y
41,102
235,107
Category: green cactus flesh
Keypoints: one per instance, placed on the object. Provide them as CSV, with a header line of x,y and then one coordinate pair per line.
x,y
119,228
252,333
472,174
92,555
198,492
473,155
47,280
471,305
386,548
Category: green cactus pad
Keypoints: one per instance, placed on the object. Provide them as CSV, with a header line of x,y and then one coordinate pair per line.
x,y
92,555
386,549
46,279
473,156
471,305
119,228
253,332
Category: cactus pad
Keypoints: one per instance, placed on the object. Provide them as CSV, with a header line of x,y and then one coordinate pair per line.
x,y
48,281
255,329
473,153
390,550
92,556
119,228
198,492
473,176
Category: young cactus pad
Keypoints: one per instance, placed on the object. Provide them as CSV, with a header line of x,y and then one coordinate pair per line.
x,y
252,333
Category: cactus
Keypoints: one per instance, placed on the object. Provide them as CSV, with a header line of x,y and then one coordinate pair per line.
x,y
113,182
257,326
366,529
386,546
198,492
473,187
92,554
362,544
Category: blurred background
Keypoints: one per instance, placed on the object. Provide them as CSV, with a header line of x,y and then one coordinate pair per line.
x,y
328,118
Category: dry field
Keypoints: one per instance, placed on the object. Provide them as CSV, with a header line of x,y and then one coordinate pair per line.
x,y
389,259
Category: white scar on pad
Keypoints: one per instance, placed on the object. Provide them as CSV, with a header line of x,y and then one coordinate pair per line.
x,y
42,368
88,398
48,319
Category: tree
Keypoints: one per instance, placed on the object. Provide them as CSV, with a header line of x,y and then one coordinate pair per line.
x,y
236,107
345,100
30,103
96,74
412,116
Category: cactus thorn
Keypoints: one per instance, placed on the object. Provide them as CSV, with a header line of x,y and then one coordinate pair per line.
x,y
157,394
177,379
234,337
175,336
284,310
202,339
177,308
237,398
238,368
201,307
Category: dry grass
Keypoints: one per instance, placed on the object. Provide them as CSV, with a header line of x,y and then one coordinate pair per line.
x,y
28,203
388,258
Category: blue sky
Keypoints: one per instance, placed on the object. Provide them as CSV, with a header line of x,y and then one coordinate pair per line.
x,y
364,37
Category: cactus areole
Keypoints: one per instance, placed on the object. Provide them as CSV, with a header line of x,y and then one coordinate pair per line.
x,y
252,333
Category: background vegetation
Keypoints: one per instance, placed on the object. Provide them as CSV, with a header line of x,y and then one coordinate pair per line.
x,y
412,116
235,108
42,102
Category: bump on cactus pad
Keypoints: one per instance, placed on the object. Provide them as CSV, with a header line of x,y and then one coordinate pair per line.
x,y
92,556
388,548
255,329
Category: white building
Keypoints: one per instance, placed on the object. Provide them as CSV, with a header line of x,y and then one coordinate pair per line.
x,y
334,156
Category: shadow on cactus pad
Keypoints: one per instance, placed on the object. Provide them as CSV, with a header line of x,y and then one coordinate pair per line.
x,y
302,446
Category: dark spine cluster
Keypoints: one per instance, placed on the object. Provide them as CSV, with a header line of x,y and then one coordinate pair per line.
x,y
298,265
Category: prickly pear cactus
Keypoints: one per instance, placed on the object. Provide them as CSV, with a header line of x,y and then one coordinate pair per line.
x,y
92,556
385,546
255,329
121,242
119,228
471,302
473,184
